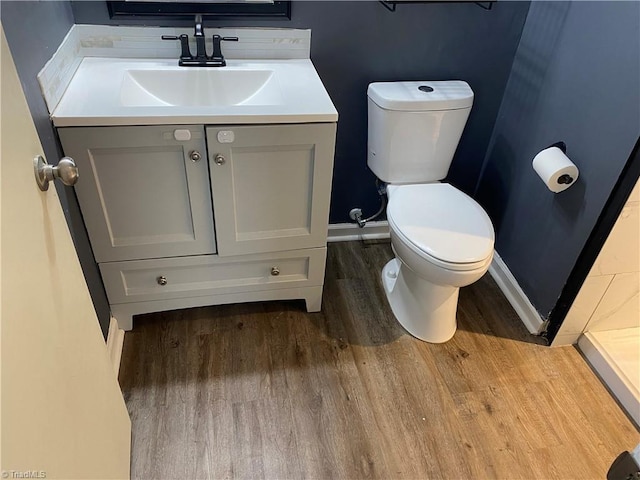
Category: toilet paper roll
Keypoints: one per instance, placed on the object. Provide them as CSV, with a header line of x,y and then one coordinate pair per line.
x,y
555,169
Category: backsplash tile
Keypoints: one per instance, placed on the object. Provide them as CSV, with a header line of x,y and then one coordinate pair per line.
x,y
145,42
57,72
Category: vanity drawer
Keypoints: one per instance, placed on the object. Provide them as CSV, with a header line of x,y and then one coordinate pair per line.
x,y
180,277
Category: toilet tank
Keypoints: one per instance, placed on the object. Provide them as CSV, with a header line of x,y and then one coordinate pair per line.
x,y
415,127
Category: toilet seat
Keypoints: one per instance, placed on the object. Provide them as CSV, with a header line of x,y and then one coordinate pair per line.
x,y
442,225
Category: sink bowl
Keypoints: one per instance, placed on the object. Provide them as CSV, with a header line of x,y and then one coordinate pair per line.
x,y
135,91
194,87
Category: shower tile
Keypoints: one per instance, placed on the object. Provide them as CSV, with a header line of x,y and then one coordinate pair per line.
x,y
585,304
621,252
620,305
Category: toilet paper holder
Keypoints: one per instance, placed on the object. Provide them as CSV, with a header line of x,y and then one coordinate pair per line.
x,y
563,179
561,145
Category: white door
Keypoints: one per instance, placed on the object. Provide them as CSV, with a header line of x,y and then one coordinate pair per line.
x,y
63,415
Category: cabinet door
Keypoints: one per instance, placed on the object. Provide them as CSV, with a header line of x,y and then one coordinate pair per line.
x,y
271,186
141,194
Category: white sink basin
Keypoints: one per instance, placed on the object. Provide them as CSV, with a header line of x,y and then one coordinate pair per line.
x,y
199,87
126,91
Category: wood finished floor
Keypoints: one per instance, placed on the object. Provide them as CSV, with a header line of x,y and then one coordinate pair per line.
x,y
267,390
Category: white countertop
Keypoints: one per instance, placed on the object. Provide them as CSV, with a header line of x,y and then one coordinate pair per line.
x,y
94,97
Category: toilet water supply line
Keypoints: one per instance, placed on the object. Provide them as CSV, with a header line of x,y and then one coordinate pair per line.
x,y
356,213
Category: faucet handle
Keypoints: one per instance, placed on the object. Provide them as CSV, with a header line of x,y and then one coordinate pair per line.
x,y
184,45
217,51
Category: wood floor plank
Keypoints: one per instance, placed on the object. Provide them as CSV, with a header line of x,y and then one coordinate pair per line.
x,y
280,457
266,390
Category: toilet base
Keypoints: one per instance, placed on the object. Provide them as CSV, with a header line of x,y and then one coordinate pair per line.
x,y
425,310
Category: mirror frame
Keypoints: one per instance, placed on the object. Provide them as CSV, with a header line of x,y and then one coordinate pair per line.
x,y
186,10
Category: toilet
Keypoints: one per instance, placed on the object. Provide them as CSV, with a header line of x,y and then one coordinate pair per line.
x,y
442,239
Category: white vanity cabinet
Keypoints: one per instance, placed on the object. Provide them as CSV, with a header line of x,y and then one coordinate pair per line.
x,y
184,216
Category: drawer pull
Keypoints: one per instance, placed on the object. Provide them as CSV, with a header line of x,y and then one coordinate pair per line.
x,y
219,159
275,271
195,156
162,280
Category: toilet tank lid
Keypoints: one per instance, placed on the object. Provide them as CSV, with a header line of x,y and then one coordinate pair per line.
x,y
421,96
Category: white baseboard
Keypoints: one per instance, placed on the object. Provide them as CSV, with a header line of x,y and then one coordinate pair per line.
x,y
346,232
115,342
515,295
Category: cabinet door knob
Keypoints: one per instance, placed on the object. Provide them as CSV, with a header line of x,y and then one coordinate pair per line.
x,y
219,159
275,271
195,156
162,280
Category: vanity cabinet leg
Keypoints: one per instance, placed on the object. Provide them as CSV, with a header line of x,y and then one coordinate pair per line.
x,y
313,299
125,320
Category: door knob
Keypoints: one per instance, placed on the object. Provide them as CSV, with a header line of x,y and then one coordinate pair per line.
x,y
219,159
66,171
195,156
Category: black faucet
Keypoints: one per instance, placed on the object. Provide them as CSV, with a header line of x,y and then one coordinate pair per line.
x,y
201,59
198,33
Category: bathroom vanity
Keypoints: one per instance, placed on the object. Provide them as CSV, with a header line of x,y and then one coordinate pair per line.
x,y
194,201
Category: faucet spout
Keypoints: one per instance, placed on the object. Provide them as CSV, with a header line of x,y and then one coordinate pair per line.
x,y
201,49
198,30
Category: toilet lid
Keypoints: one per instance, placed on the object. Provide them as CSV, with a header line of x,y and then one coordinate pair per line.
x,y
442,222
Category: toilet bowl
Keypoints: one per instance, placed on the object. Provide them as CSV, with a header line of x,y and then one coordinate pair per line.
x,y
442,240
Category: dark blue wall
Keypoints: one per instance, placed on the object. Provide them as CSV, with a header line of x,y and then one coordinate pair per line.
x,y
355,43
34,30
575,78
